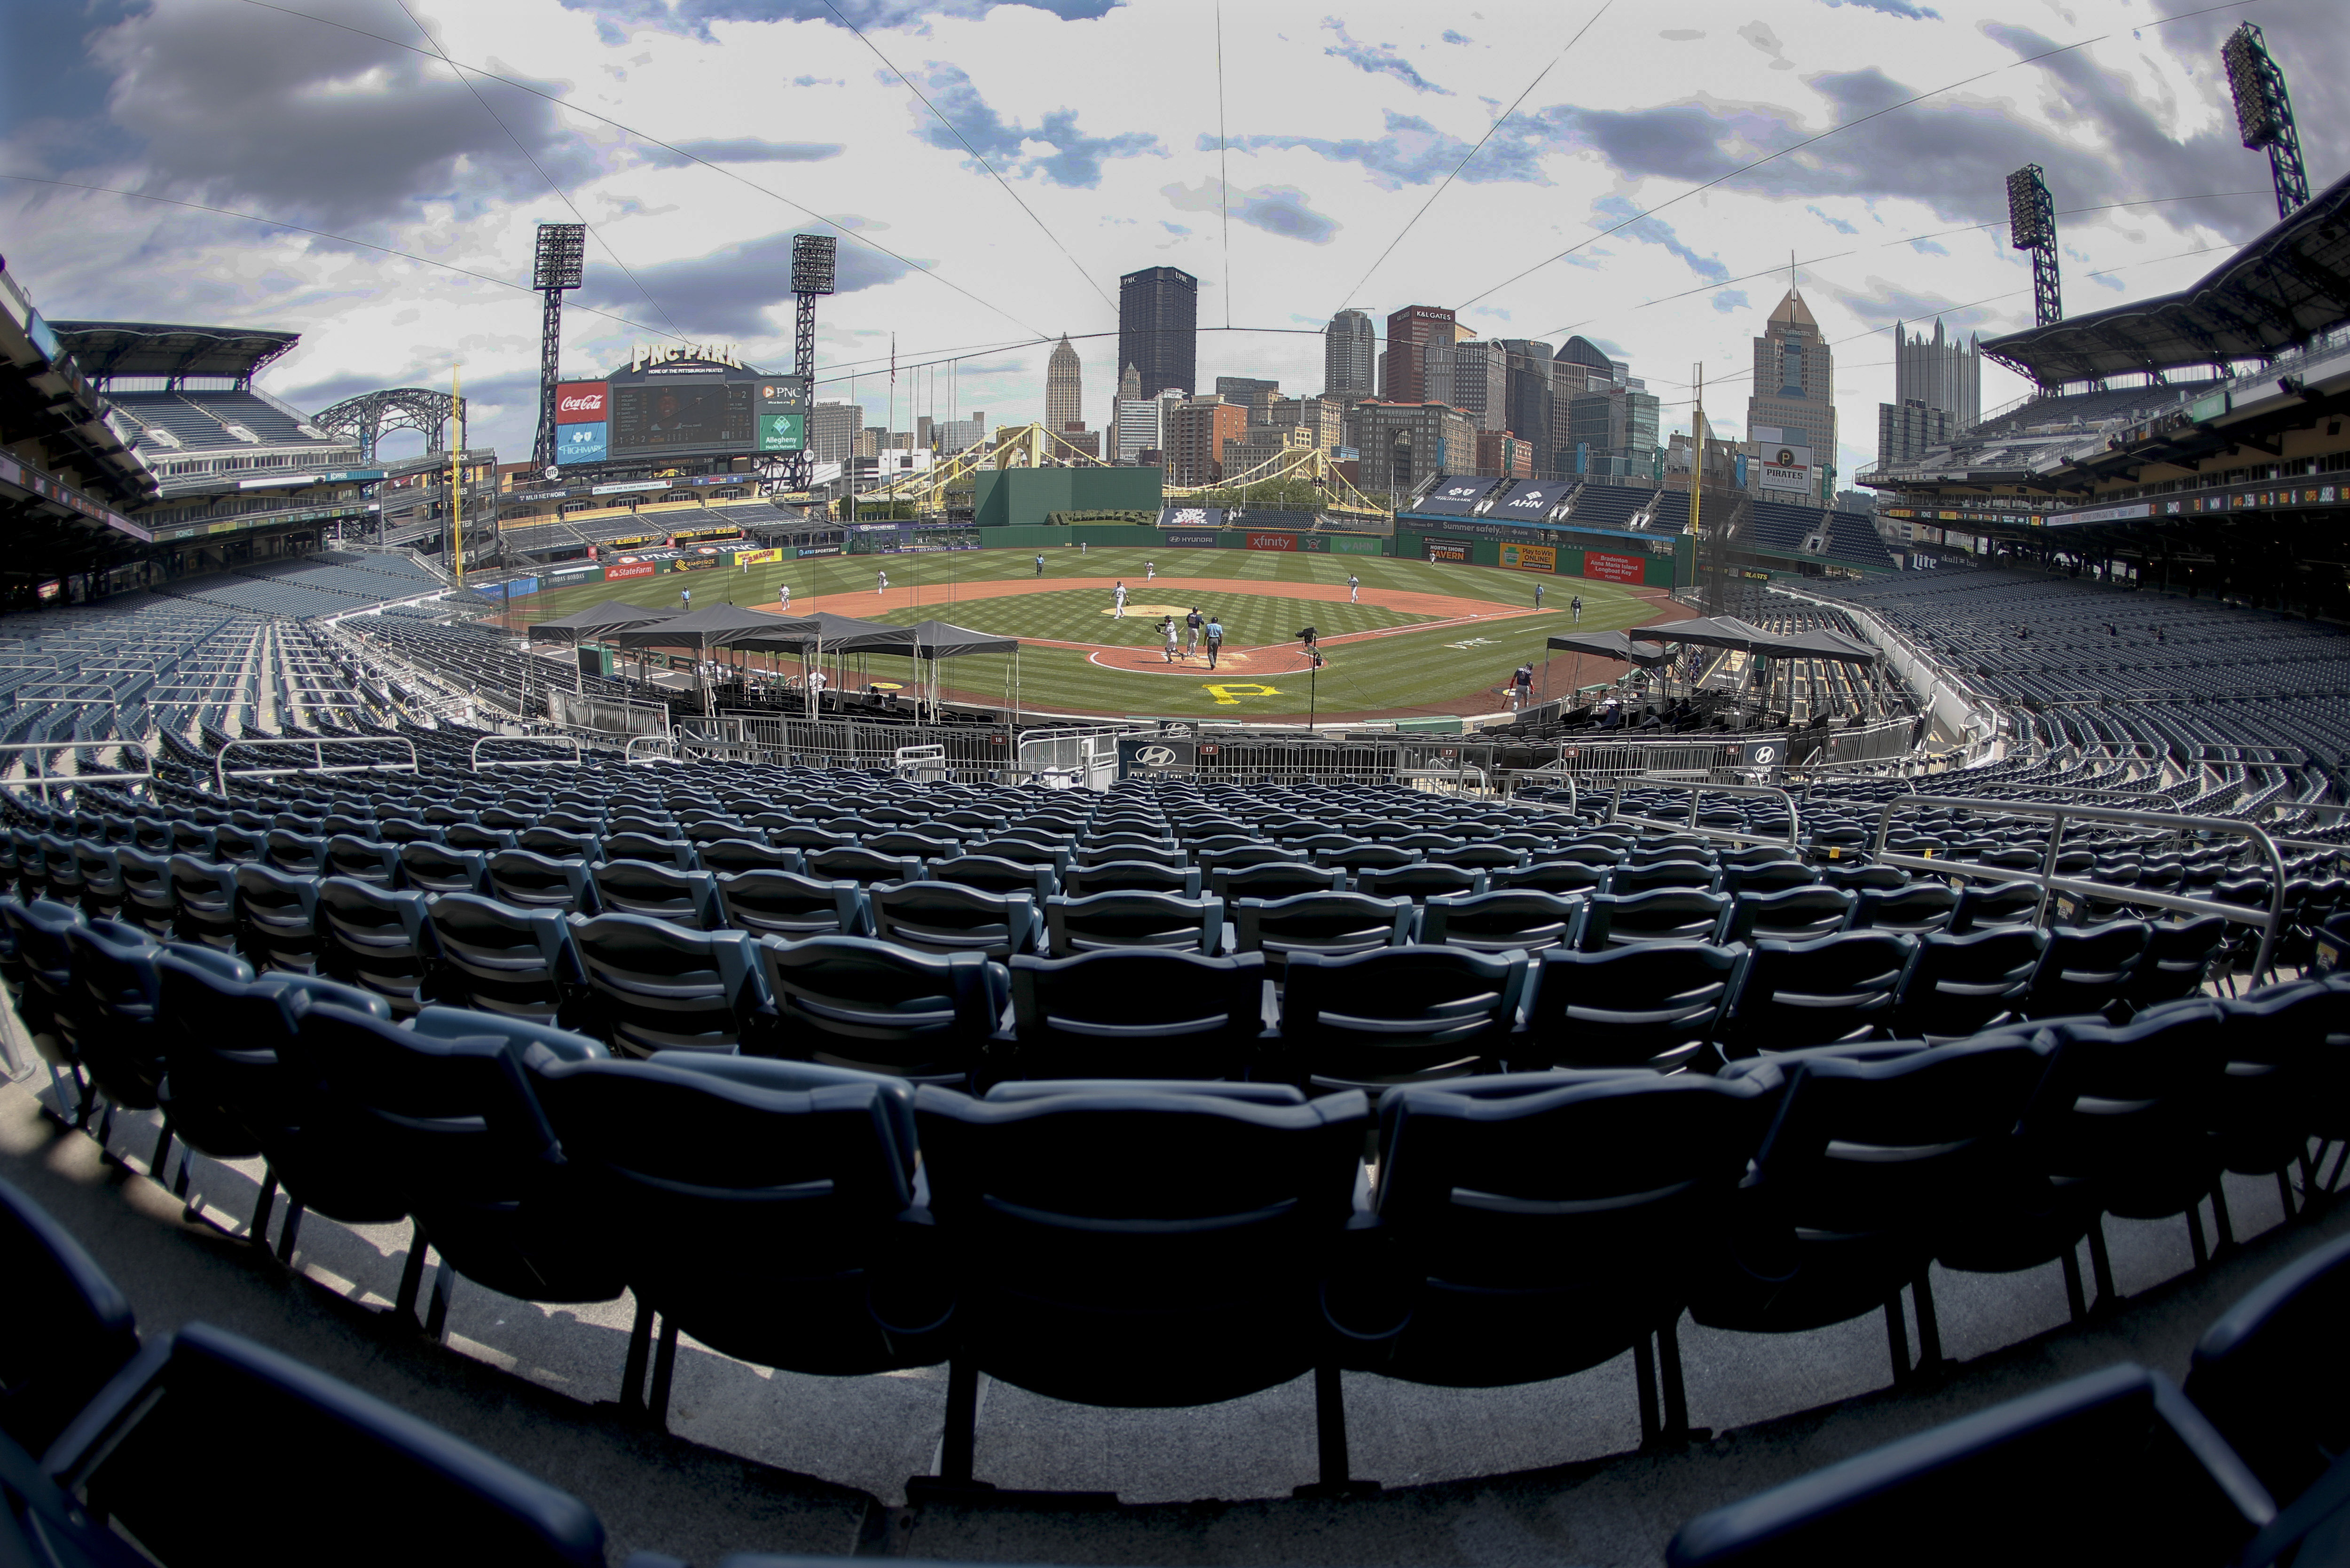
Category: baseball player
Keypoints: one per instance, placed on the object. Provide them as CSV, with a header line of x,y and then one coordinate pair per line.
x,y
1216,630
1576,604
787,596
1192,625
1538,593
1354,589
1167,630
880,582
1150,570
1040,566
1118,596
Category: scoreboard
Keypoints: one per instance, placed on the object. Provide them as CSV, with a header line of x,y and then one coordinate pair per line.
x,y
681,406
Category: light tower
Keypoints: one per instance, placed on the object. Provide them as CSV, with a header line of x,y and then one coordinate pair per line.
x,y
2032,226
812,258
560,263
2264,114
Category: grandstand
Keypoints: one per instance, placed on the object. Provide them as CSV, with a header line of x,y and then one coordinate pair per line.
x,y
1758,533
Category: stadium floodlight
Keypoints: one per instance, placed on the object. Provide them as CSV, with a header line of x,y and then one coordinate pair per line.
x,y
2265,113
561,261
2032,226
813,259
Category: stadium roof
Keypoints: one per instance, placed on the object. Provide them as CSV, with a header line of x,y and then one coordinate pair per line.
x,y
105,348
2288,284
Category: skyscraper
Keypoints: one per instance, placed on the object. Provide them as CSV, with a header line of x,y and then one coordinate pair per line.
x,y
1936,393
1350,351
1528,401
1411,333
1129,382
1157,327
1795,389
1064,402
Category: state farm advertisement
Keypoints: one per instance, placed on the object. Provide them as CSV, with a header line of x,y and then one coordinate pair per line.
x,y
1613,568
582,402
631,569
1272,541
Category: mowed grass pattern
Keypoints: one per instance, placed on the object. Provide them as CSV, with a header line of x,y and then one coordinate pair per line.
x,y
1407,673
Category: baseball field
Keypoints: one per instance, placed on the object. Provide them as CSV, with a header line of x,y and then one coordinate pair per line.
x,y
1420,639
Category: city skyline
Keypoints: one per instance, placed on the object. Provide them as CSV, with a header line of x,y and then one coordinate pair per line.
x,y
987,216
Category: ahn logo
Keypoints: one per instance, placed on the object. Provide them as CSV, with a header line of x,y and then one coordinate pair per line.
x,y
1531,500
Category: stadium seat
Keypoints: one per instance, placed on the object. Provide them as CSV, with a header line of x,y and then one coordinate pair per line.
x,y
2272,1095
1871,1150
1790,915
862,1003
862,867
1419,883
2115,1466
1272,879
1086,879
1645,1004
325,1446
203,902
2086,968
147,897
1916,909
516,964
437,868
720,855
1133,919
1982,906
1827,990
946,917
381,941
1395,1015
656,849
276,919
2271,1372
2179,956
1663,915
1557,876
1961,985
528,881
653,986
1246,1193
1499,921
67,1328
1331,924
762,1206
1547,1222
641,888
789,904
1139,1013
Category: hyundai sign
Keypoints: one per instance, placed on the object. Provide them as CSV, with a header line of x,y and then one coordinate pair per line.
x,y
579,443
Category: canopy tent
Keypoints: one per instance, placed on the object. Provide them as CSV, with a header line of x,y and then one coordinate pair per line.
x,y
707,630
1710,631
612,616
1827,643
936,640
1613,645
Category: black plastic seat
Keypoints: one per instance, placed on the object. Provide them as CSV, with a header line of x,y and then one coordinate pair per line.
x,y
1645,1004
2179,956
652,986
1272,879
1866,878
446,1110
1396,1015
68,1329
653,849
641,888
1049,1193
296,854
322,1443
993,874
1364,856
1500,921
947,917
1790,915
98,872
2167,1490
477,839
1562,878
1132,920
1547,1222
558,844
1872,1154
1916,908
862,867
381,941
759,1206
203,902
1828,991
1083,880
518,964
276,919
1962,985
721,856
2086,968
1419,883
2272,1375
789,904
1766,875
1631,878
1137,1014
1331,924
1986,905
1664,915
438,869
855,1002
148,901
530,881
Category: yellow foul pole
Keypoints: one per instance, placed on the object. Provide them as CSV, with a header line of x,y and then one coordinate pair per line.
x,y
457,476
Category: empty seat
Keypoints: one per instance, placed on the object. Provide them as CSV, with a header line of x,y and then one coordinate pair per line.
x,y
862,867
654,987
1963,984
2271,1372
1916,909
1133,919
437,868
789,904
1395,1015
641,888
1645,1004
855,1002
1272,879
1085,878
1137,1014
1559,877
1822,991
1419,883
2086,968
381,941
529,881
657,850
946,917
1791,915
203,902
2179,955
1985,905
1665,914
518,964
68,1327
1500,921
276,919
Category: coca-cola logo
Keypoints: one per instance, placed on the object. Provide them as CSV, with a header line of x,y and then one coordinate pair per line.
x,y
581,403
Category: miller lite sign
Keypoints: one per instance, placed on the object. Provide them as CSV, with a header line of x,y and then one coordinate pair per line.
x,y
582,402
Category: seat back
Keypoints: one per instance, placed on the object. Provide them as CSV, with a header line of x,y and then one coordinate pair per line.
x,y
658,987
201,1386
1645,1004
1132,920
2126,1108
1137,1014
1822,991
1665,914
531,881
1790,915
725,855
276,919
2271,1373
2088,969
1963,984
519,963
379,941
1498,921
1332,924
1085,878
946,917
65,1330
862,867
993,874
641,888
2178,956
856,1002
1918,908
789,904
1984,905
1419,883
437,868
1093,1221
1393,1015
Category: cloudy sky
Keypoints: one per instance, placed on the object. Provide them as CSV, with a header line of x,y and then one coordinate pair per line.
x,y
1543,166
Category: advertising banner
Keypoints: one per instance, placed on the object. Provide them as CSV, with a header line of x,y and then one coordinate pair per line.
x,y
628,569
1356,544
1787,468
1613,568
1146,754
782,432
583,402
1190,538
697,561
1192,517
563,577
579,442
1530,557
1272,541
1459,551
1532,498
521,586
756,558
807,550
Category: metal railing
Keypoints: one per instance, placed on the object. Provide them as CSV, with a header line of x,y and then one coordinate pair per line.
x,y
579,751
2060,817
1697,792
45,781
317,748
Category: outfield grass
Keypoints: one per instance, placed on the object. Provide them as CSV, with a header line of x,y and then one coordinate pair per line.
x,y
1408,672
